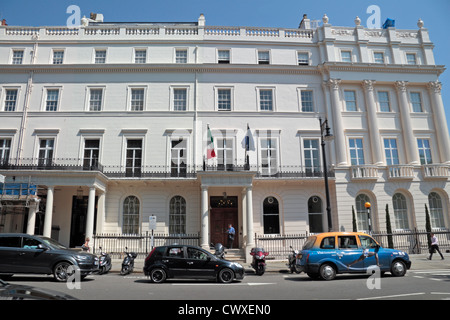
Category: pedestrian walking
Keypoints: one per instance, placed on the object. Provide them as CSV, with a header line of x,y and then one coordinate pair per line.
x,y
434,246
230,238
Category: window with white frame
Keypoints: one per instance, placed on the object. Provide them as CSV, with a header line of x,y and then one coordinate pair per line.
x,y
346,56
269,156
140,55
181,56
17,57
350,100
10,99
362,217
91,153
391,151
383,100
224,99
46,150
416,101
95,99
271,216
411,58
311,155
266,99
58,56
225,152
356,151
263,57
306,97
52,100
179,99
177,215
100,56
303,58
137,99
130,216
400,212
5,150
424,151
133,161
378,57
436,211
178,157
223,56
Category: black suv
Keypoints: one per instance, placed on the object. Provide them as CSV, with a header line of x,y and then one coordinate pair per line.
x,y
23,253
189,262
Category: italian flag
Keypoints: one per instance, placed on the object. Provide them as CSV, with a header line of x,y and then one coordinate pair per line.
x,y
210,153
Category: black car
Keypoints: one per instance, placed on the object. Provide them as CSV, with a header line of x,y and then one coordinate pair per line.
x,y
185,261
19,292
23,253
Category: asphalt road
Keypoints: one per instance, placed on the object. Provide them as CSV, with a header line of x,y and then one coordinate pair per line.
x,y
418,284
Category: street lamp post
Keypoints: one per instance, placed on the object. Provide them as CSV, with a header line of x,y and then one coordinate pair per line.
x,y
327,137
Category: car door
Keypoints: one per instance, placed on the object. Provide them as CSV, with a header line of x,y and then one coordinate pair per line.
x,y
199,263
371,248
32,258
9,245
175,261
350,254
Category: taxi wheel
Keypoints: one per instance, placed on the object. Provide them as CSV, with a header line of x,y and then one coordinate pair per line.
x,y
398,268
327,271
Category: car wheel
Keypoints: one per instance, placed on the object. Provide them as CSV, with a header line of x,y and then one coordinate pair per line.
x,y
158,275
61,272
226,275
398,268
327,272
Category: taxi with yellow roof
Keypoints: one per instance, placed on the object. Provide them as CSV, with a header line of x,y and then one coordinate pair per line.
x,y
325,255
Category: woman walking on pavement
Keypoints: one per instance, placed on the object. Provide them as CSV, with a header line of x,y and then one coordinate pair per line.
x,y
434,246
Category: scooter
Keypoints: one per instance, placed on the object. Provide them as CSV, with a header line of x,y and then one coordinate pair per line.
x,y
128,262
259,260
219,251
104,262
292,261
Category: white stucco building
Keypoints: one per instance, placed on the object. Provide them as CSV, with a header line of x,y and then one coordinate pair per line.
x,y
104,125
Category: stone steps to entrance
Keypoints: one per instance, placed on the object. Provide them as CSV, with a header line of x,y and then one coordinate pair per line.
x,y
237,255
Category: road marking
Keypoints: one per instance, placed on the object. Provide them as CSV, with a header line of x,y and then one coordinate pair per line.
x,y
394,296
224,284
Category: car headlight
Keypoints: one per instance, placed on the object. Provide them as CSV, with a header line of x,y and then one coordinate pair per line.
x,y
81,258
237,265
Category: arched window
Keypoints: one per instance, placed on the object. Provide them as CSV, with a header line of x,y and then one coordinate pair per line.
x,y
271,216
177,215
362,216
130,223
400,211
315,214
436,210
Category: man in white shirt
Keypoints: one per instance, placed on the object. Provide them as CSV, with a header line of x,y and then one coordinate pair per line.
x,y
434,246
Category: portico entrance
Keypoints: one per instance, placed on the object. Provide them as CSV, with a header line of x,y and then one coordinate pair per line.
x,y
224,211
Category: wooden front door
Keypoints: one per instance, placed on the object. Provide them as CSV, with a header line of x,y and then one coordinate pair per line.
x,y
220,219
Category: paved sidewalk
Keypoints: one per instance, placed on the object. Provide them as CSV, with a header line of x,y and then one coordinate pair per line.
x,y
419,262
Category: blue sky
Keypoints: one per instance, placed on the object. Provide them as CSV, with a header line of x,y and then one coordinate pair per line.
x,y
261,13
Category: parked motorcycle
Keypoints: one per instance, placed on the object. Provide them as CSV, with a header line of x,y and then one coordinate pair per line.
x,y
259,260
104,262
128,262
292,261
219,250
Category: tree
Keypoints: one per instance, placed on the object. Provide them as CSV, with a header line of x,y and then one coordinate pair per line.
x,y
389,228
355,228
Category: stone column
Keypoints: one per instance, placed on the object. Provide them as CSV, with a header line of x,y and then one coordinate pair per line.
x,y
338,126
440,125
48,212
412,155
372,120
34,207
250,235
204,219
90,213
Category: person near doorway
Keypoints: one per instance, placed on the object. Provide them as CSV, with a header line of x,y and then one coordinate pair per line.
x,y
85,245
434,246
230,236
